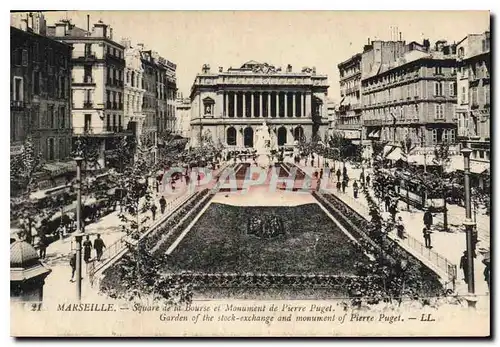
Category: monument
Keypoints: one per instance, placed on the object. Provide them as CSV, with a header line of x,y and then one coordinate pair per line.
x,y
263,146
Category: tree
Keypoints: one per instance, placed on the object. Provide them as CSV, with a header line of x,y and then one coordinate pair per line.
x,y
442,159
407,147
24,168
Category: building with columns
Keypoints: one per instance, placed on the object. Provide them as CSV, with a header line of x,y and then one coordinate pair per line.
x,y
409,90
228,106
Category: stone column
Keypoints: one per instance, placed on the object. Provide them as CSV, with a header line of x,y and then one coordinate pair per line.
x,y
235,104
226,99
286,104
277,104
261,105
308,105
244,104
303,105
252,104
269,104
294,105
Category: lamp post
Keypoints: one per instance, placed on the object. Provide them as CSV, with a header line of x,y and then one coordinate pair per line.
x,y
468,223
79,234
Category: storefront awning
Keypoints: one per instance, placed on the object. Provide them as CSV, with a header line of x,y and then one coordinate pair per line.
x,y
374,134
395,154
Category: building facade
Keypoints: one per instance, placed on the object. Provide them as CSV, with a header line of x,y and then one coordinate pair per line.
x,y
133,91
332,110
183,116
40,98
409,90
149,106
170,94
473,104
349,121
227,107
97,89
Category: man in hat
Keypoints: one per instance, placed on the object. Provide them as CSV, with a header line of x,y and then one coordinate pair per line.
x,y
428,219
464,265
72,263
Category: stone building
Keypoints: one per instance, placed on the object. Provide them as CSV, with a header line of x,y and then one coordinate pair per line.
x,y
228,106
134,92
98,89
183,116
349,122
409,90
474,103
149,131
40,95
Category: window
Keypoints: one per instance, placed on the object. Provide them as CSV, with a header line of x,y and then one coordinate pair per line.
x,y
439,111
25,57
461,52
487,94
36,82
18,89
231,136
50,149
62,115
50,114
438,88
453,89
452,135
464,95
408,91
438,70
108,122
417,89
486,45
474,96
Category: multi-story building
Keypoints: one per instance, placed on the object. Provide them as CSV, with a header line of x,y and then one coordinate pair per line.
x,y
332,109
409,90
473,104
171,93
227,107
40,98
97,90
133,91
149,105
183,116
349,122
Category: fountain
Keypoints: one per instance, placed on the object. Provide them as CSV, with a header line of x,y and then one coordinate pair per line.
x,y
263,146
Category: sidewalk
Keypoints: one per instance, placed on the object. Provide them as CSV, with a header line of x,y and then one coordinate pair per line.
x,y
448,245
57,285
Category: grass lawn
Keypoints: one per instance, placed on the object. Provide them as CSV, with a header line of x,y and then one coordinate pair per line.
x,y
218,242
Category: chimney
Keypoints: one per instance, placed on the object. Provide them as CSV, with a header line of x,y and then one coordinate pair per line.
x,y
220,69
60,29
111,33
88,23
400,36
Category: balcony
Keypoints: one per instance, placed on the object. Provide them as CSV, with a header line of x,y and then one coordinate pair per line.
x,y
100,130
17,105
84,56
87,81
88,105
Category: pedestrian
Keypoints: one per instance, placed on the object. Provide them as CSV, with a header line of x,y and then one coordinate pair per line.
x,y
343,186
153,210
368,180
163,203
355,189
157,185
312,162
344,171
400,228
393,211
42,246
464,265
427,237
321,174
338,173
486,272
99,246
72,263
428,219
362,178
87,248
387,201
339,186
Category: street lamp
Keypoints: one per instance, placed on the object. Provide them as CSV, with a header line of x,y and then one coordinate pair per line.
x,y
468,223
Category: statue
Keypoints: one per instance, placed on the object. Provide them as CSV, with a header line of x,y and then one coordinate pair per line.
x,y
263,145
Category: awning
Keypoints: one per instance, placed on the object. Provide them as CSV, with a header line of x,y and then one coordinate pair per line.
x,y
387,149
60,168
352,134
395,154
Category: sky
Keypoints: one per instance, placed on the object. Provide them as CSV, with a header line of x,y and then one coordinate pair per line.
x,y
300,38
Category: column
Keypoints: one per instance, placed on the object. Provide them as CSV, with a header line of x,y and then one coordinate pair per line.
x,y
226,98
308,105
261,105
286,104
303,105
235,104
244,104
294,105
269,104
277,104
252,105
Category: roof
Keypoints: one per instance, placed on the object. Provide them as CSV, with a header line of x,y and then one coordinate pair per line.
x,y
251,62
73,31
22,255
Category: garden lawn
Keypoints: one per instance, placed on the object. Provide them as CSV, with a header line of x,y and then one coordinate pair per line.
x,y
218,242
